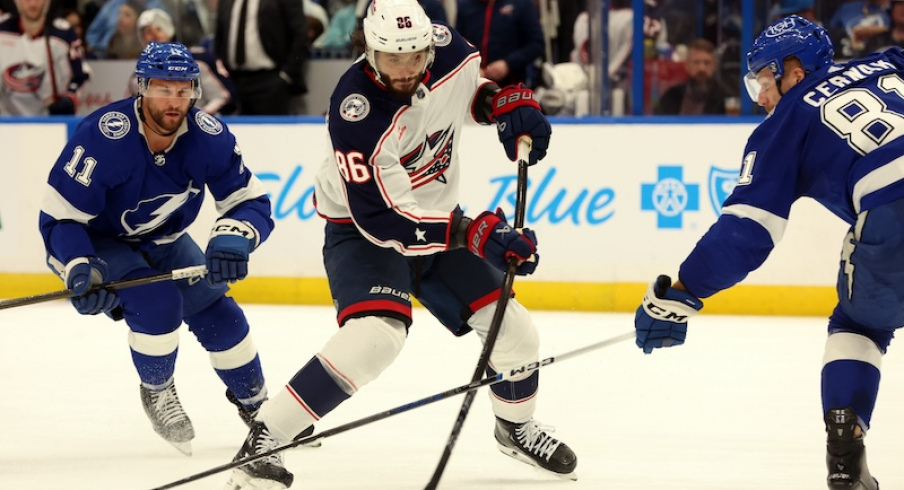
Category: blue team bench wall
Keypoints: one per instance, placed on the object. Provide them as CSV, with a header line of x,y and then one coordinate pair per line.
x,y
594,202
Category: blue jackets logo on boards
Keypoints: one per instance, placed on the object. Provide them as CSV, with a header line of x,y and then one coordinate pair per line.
x,y
670,197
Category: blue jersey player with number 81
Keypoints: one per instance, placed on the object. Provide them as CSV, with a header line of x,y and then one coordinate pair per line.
x,y
833,133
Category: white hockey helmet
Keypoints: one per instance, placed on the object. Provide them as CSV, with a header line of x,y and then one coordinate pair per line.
x,y
397,26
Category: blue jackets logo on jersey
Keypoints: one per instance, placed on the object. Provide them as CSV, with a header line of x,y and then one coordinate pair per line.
x,y
721,182
114,125
441,35
670,197
354,108
23,77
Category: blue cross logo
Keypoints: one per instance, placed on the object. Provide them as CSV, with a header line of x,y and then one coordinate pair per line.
x,y
670,197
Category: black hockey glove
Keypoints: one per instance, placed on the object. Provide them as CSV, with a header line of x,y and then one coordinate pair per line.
x,y
64,106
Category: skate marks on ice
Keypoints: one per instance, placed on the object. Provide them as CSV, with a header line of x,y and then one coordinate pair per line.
x,y
736,407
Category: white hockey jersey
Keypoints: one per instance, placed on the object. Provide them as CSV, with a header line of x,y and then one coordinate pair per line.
x,y
392,167
29,83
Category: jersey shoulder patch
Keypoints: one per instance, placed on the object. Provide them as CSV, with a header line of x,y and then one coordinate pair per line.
x,y
354,107
442,36
114,125
208,123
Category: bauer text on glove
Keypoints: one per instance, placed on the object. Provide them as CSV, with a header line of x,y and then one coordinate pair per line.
x,y
493,239
516,113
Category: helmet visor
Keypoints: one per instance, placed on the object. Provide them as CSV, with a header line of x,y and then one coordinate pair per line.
x,y
171,91
757,83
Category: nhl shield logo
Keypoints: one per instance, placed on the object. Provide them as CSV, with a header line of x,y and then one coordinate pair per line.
x,y
721,183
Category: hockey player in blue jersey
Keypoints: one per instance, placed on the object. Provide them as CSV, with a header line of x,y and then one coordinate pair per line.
x,y
119,198
388,189
833,133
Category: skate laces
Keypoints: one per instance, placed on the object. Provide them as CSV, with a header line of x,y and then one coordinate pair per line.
x,y
535,439
263,441
166,404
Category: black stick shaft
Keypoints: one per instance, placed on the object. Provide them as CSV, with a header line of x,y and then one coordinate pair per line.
x,y
524,146
188,272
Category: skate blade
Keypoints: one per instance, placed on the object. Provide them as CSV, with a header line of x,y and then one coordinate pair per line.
x,y
183,447
528,461
239,480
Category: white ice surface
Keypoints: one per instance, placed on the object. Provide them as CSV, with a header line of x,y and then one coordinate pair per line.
x,y
737,408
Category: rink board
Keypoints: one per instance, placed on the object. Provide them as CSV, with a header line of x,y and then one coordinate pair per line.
x,y
614,204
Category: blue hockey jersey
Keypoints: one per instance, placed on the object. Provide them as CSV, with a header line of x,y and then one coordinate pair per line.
x,y
107,182
834,137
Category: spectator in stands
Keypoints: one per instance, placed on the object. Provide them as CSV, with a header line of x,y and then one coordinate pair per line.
x,y
34,83
156,25
317,18
894,36
508,35
702,93
265,50
125,43
103,27
75,20
854,22
342,24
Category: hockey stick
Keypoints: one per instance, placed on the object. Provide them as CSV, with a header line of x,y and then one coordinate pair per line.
x,y
524,147
186,273
468,388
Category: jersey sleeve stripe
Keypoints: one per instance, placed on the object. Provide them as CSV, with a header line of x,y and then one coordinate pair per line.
x,y
57,207
773,224
473,57
252,190
877,179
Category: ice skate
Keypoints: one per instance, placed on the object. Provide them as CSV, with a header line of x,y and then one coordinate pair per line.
x,y
845,453
267,473
248,416
168,418
531,444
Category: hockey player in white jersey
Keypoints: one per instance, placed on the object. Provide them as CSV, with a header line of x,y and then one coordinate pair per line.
x,y
388,189
129,182
834,133
41,63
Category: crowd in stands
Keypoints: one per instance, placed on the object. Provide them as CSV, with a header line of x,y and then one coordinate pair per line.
x,y
693,57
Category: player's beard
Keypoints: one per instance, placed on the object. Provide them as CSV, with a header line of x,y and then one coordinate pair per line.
x,y
168,123
415,82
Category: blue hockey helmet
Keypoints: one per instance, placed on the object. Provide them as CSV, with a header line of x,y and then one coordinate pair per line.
x,y
790,36
167,61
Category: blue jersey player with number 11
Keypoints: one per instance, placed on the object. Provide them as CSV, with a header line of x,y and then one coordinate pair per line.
x,y
129,182
833,133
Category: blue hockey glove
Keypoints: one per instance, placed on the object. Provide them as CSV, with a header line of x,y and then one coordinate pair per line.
x,y
491,237
231,241
516,112
80,274
661,321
